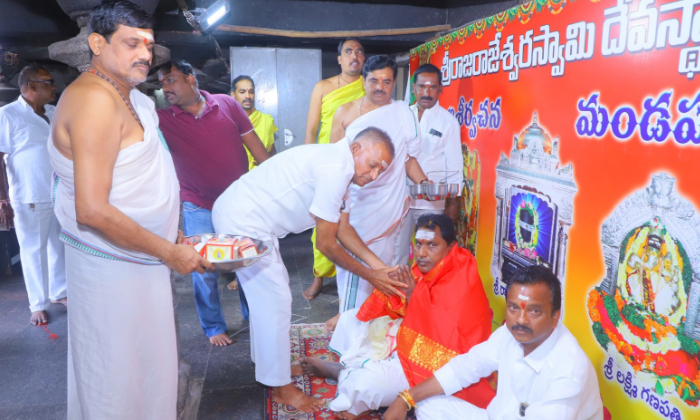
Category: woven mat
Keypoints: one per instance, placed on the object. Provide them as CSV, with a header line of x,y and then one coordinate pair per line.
x,y
309,340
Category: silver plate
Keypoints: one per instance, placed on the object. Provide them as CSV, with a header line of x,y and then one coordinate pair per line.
x,y
433,192
264,248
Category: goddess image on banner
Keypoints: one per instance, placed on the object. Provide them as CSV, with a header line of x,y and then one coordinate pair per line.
x,y
641,313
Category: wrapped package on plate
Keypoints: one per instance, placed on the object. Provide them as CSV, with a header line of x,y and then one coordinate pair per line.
x,y
226,249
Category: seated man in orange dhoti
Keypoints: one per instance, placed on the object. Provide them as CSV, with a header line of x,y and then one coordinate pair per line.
x,y
390,342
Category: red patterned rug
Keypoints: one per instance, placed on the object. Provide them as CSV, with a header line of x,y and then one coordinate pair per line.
x,y
309,340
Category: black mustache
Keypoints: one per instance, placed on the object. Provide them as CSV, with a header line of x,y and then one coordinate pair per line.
x,y
138,63
426,98
355,62
379,91
519,327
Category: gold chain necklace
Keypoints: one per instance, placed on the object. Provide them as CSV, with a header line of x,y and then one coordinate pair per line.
x,y
359,108
126,101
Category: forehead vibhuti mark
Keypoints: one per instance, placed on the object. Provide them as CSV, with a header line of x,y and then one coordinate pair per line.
x,y
147,36
523,300
384,164
425,235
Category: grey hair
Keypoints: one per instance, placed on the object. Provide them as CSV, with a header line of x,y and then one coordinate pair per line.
x,y
28,73
374,135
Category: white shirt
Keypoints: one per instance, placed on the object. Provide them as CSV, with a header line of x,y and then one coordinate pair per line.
x,y
441,150
556,380
23,139
285,192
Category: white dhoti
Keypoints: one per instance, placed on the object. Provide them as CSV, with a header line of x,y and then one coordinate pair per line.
x,y
266,287
369,384
372,376
41,252
377,384
122,354
354,290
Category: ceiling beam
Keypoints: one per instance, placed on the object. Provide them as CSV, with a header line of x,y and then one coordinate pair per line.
x,y
331,34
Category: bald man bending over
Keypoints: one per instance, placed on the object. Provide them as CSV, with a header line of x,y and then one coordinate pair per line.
x,y
290,193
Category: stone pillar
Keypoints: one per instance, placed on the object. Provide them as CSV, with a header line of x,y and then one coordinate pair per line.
x,y
75,51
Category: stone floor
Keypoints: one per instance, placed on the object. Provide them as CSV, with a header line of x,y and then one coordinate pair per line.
x,y
33,367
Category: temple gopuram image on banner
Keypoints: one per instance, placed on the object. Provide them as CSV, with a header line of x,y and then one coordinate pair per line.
x,y
535,208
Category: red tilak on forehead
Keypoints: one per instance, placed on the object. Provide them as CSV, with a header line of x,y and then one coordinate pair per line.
x,y
522,305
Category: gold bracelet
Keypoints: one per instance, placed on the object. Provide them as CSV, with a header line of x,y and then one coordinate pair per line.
x,y
408,405
408,398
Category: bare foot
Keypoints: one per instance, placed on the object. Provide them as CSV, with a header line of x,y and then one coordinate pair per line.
x,y
233,285
38,318
313,366
297,370
220,340
312,292
62,301
344,415
331,323
291,395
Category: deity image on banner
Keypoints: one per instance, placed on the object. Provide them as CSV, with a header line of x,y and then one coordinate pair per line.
x,y
535,194
645,311
468,218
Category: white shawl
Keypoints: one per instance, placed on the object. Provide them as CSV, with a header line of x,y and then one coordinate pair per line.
x,y
144,187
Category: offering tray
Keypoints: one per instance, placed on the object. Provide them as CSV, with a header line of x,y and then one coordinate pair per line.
x,y
434,192
227,266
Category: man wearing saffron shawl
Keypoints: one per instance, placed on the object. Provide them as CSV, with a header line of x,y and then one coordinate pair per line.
x,y
392,342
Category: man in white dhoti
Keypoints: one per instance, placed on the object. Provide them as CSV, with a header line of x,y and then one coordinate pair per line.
x,y
543,373
440,156
377,212
117,202
24,130
289,193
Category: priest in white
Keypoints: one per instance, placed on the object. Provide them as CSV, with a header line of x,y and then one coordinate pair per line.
x,y
117,201
378,211
24,131
440,156
290,193
543,374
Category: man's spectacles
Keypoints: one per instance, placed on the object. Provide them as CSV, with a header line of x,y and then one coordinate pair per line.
x,y
49,82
